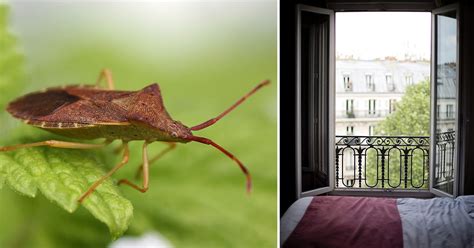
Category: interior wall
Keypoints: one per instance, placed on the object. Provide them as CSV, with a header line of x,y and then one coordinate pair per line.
x,y
467,91
287,104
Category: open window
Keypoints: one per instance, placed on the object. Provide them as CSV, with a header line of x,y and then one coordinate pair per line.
x,y
445,101
317,155
315,92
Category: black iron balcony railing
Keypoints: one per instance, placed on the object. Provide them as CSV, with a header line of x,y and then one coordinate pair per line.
x,y
363,113
445,116
393,162
444,170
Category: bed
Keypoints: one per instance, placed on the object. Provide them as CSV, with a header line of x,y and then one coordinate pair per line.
x,y
346,221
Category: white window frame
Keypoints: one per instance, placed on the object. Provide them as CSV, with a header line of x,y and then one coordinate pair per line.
x,y
347,83
332,124
350,130
371,130
369,80
330,107
372,107
457,181
409,79
392,105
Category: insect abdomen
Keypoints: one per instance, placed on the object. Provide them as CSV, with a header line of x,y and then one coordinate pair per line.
x,y
124,132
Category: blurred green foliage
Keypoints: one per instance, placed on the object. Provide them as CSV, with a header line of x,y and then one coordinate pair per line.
x,y
11,61
197,195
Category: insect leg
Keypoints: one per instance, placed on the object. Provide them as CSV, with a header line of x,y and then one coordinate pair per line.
x,y
145,170
214,120
54,143
170,147
105,73
220,148
126,155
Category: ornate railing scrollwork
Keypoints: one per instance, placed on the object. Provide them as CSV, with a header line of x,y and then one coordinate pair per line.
x,y
392,162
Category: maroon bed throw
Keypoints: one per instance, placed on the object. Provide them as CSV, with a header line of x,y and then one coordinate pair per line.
x,y
336,221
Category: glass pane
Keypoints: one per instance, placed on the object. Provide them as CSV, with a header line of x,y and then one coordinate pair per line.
x,y
314,77
446,102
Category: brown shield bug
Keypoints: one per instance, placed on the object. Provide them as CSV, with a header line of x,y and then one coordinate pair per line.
x,y
91,112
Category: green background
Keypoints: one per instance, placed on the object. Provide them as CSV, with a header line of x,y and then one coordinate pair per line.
x,y
204,56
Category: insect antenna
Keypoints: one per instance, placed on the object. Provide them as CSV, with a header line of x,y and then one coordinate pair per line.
x,y
214,120
242,167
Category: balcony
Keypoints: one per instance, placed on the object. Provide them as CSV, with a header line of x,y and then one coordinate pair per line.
x,y
391,162
444,171
362,114
445,116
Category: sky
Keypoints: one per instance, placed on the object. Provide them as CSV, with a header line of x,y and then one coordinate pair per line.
x,y
370,35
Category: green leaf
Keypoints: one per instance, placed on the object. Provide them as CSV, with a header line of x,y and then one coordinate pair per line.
x,y
62,176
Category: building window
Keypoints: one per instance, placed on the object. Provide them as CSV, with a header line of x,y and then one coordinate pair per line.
x,y
439,81
392,105
369,82
350,130
389,81
449,111
371,130
350,182
388,78
347,82
438,111
349,161
409,79
372,107
350,108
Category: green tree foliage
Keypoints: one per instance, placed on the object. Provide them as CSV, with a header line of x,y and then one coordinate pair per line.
x,y
411,118
412,114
